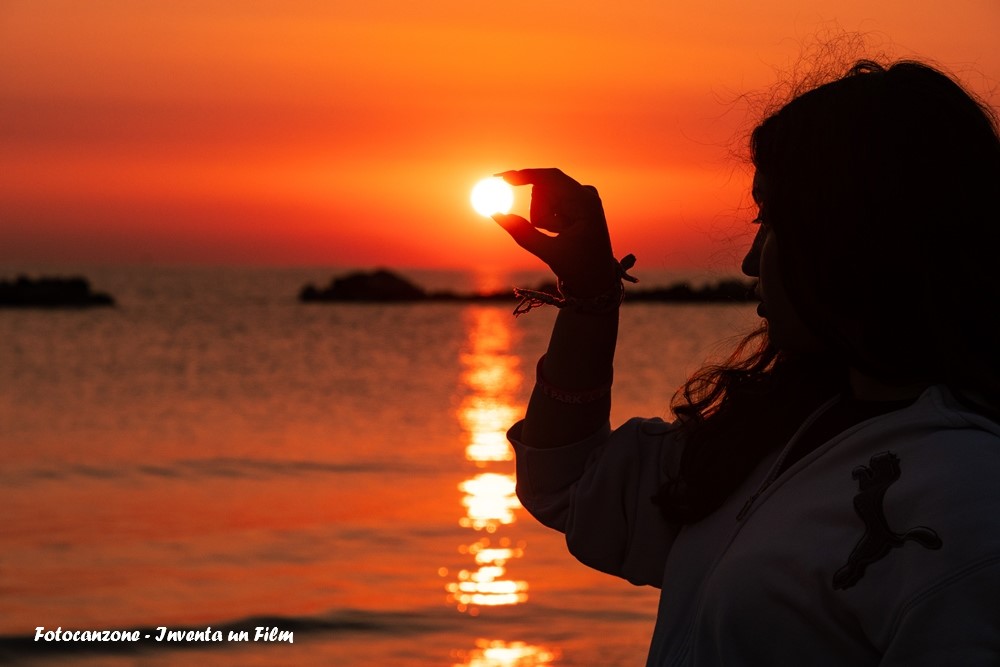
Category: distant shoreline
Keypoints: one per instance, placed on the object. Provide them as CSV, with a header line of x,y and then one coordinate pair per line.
x,y
385,286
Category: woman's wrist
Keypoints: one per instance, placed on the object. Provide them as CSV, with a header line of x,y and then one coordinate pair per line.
x,y
596,302
590,285
591,293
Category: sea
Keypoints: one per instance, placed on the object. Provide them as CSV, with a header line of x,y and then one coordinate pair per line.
x,y
213,472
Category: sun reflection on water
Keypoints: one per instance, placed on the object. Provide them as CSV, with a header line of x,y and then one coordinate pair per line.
x,y
496,653
485,420
492,378
489,501
485,586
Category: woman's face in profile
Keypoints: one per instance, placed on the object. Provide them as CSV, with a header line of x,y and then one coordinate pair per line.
x,y
784,325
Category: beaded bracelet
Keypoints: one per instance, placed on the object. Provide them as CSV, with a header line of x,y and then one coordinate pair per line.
x,y
566,395
601,304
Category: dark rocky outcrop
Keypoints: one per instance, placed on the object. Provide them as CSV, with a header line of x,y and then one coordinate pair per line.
x,y
377,286
51,292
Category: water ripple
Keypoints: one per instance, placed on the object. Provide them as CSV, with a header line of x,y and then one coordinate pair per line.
x,y
222,467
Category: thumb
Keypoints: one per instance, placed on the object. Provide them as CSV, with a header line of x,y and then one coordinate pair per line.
x,y
523,233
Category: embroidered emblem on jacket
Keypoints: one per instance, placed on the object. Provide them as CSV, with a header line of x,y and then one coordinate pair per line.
x,y
878,539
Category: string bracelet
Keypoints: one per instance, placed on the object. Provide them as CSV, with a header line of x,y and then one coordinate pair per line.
x,y
606,302
566,395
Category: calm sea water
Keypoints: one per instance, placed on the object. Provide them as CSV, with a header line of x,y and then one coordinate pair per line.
x,y
213,454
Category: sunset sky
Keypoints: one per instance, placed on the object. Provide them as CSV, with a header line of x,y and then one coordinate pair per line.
x,y
298,132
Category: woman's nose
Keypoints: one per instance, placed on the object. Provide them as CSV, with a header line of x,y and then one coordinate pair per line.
x,y
751,263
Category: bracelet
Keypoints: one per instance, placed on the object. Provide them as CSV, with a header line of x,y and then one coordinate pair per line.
x,y
568,396
598,305
602,304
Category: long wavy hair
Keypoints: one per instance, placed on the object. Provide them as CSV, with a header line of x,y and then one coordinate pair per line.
x,y
884,188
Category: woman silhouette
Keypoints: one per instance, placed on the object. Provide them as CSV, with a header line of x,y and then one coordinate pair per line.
x,y
829,495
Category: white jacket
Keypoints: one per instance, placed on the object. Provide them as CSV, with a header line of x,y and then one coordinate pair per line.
x,y
775,587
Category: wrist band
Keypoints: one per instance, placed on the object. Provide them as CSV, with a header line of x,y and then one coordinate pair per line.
x,y
601,304
566,395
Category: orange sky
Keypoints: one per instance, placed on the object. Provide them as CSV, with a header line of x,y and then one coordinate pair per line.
x,y
350,134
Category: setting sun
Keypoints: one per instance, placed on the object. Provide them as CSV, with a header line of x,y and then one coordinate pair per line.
x,y
492,195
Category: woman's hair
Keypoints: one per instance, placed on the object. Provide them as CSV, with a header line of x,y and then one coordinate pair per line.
x,y
884,188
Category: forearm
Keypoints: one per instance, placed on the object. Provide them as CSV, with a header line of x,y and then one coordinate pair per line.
x,y
576,245
579,358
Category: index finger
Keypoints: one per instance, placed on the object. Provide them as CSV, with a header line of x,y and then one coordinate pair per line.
x,y
548,176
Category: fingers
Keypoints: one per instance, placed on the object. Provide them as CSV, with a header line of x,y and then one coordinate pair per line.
x,y
557,201
548,177
551,212
524,234
556,210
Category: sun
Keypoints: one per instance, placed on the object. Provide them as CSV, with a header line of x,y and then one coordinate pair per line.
x,y
492,195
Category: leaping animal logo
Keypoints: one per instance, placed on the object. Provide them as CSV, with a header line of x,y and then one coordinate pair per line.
x,y
878,540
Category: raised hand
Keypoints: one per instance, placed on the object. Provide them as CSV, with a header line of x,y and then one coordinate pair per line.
x,y
577,246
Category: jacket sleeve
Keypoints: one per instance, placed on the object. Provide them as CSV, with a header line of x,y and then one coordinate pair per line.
x,y
598,491
949,613
954,623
